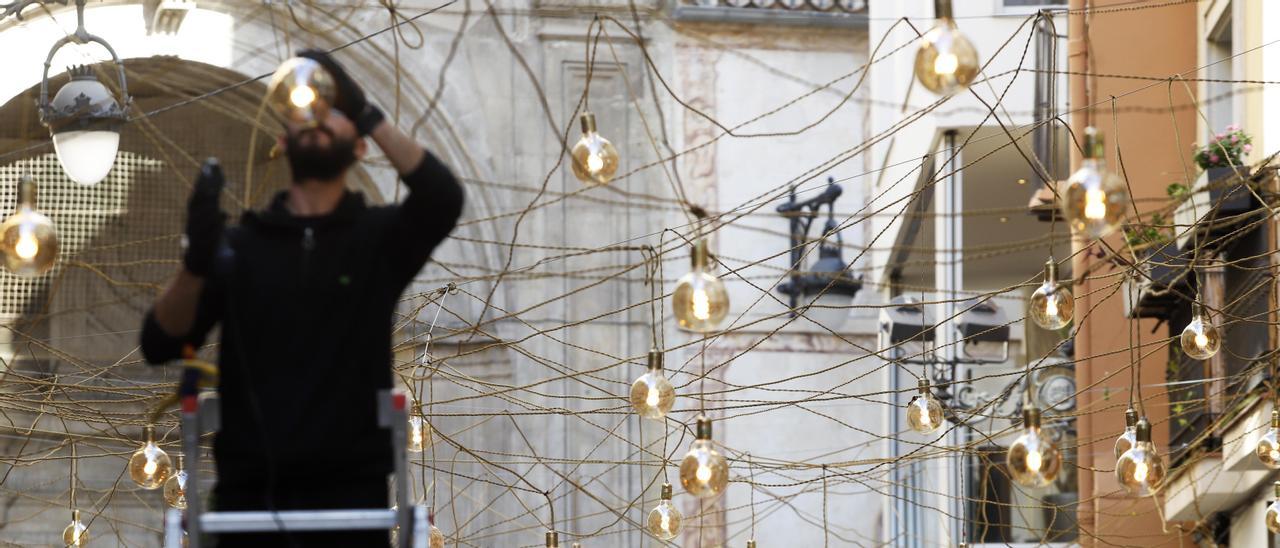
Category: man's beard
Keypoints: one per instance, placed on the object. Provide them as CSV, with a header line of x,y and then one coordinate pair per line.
x,y
309,161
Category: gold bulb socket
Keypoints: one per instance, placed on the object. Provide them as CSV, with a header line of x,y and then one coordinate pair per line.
x,y
588,122
553,539
1130,417
751,543
924,385
75,514
1197,311
1142,431
179,462
1094,146
704,428
655,360
1275,418
1050,271
1031,417
148,434
666,491
942,9
700,255
27,192
1278,489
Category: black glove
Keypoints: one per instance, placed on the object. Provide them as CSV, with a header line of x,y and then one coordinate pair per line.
x,y
351,100
205,220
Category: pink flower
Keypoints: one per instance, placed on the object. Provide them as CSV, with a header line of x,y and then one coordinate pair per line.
x,y
1220,136
1233,127
1248,148
1235,138
1213,158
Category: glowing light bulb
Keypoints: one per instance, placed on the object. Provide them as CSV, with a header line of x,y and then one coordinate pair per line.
x,y
594,160
1268,449
704,471
1129,437
924,412
175,488
149,466
664,520
1273,512
27,238
700,301
652,394
419,431
1140,469
76,534
1094,199
946,60
1051,305
1033,459
301,92
1200,339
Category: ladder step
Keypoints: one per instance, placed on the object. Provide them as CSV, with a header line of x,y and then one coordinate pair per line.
x,y
297,520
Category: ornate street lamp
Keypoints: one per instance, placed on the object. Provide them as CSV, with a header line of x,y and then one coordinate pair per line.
x,y
827,287
84,117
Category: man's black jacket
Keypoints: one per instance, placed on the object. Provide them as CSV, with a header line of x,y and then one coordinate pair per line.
x,y
305,306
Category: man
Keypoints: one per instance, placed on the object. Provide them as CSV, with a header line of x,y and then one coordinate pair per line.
x,y
304,292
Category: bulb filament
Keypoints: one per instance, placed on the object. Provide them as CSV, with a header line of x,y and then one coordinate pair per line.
x,y
1051,306
701,305
666,522
703,474
1095,204
149,468
27,246
302,96
595,162
925,420
946,64
1201,340
652,399
1140,472
1034,460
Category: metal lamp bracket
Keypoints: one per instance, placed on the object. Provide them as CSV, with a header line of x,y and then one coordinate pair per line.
x,y
81,36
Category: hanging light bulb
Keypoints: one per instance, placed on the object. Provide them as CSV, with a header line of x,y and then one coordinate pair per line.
x,y
76,533
175,488
751,543
150,466
553,539
924,412
84,119
1052,305
301,92
419,431
1129,437
652,394
664,519
946,60
700,299
435,538
704,472
1268,449
1095,198
1273,512
1200,339
1033,460
1140,469
595,161
28,238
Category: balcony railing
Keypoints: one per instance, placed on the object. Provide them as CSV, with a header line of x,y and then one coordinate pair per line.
x,y
835,13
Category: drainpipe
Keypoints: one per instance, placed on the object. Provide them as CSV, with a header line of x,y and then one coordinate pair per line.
x,y
1078,94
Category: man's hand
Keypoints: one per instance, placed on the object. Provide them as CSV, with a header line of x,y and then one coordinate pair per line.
x,y
351,99
205,220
